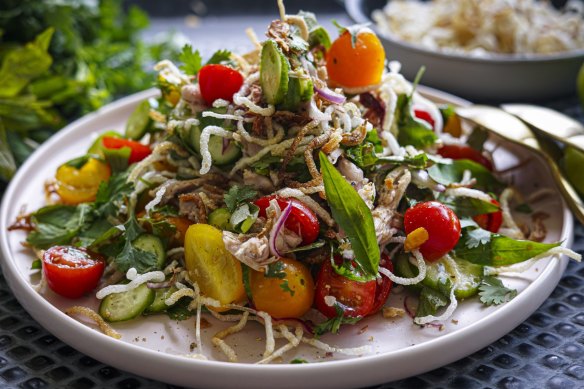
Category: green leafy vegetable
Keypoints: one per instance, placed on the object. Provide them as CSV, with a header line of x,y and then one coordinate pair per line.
x,y
493,292
286,288
411,130
58,224
275,270
7,162
353,216
333,325
219,56
298,360
487,249
130,256
430,301
448,173
469,207
237,195
192,61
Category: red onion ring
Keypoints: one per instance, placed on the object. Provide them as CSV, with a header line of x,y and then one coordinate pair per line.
x,y
225,145
407,306
277,228
329,95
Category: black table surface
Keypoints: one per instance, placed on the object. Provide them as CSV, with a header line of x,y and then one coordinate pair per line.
x,y
547,350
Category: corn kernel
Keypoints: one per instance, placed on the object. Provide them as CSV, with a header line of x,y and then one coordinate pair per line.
x,y
416,238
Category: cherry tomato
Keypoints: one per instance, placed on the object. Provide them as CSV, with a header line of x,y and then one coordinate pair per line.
x,y
383,287
219,82
490,221
301,220
72,271
355,65
464,152
181,224
441,223
425,116
77,185
287,297
355,298
138,151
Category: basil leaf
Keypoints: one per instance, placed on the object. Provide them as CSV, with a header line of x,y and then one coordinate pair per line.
x,y
58,224
469,207
448,173
483,248
353,216
412,131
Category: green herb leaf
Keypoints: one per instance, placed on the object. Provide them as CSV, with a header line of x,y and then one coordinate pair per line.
x,y
7,163
238,195
412,131
493,292
192,61
469,207
430,301
487,249
333,325
36,265
448,173
180,310
286,288
353,216
220,56
275,270
297,361
244,216
312,246
58,224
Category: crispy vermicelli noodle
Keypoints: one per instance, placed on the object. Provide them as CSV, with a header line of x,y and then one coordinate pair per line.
x,y
91,314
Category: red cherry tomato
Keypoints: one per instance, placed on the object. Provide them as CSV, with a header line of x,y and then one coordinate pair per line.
x,y
72,271
441,223
382,289
219,82
138,151
490,221
425,116
301,220
465,152
355,298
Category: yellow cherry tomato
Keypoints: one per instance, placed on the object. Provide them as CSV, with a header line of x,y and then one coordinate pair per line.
x,y
216,271
355,64
80,184
285,297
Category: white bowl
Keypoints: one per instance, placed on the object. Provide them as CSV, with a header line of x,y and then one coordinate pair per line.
x,y
498,78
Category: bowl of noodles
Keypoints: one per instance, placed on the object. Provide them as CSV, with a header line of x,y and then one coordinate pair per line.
x,y
492,50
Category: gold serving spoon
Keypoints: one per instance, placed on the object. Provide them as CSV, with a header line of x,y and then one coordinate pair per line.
x,y
509,127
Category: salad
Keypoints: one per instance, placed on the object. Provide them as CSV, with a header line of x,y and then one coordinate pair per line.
x,y
297,186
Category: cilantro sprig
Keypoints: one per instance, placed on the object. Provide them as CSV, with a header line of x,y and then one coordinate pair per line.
x,y
493,292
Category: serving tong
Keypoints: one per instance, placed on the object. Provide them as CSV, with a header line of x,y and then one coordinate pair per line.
x,y
510,123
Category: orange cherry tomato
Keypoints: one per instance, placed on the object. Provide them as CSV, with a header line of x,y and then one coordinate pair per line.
x,y
77,185
138,151
355,65
72,271
290,296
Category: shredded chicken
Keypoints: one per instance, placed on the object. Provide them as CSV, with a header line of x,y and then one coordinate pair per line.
x,y
250,250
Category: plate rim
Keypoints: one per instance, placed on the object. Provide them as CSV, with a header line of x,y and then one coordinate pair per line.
x,y
136,358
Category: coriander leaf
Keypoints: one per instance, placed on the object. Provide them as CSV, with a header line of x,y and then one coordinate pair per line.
x,y
333,325
499,250
298,360
219,56
275,270
448,173
192,60
238,195
430,301
180,310
353,216
286,288
493,292
477,237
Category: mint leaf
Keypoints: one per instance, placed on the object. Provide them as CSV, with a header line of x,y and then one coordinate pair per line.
x,y
58,224
353,216
412,131
191,60
493,292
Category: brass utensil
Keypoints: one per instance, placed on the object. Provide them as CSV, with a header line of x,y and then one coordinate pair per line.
x,y
509,127
550,123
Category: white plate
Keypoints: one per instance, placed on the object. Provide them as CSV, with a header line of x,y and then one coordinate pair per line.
x,y
155,346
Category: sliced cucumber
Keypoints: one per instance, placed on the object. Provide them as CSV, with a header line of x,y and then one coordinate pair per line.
x,y
220,154
300,90
274,68
159,304
220,218
126,305
152,244
139,121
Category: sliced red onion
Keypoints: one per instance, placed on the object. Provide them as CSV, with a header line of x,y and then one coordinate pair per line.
x,y
330,95
277,228
225,145
408,306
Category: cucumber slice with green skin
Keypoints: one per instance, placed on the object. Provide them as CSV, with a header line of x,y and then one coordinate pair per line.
x,y
221,154
159,304
126,305
220,218
139,121
299,90
274,69
441,274
152,244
